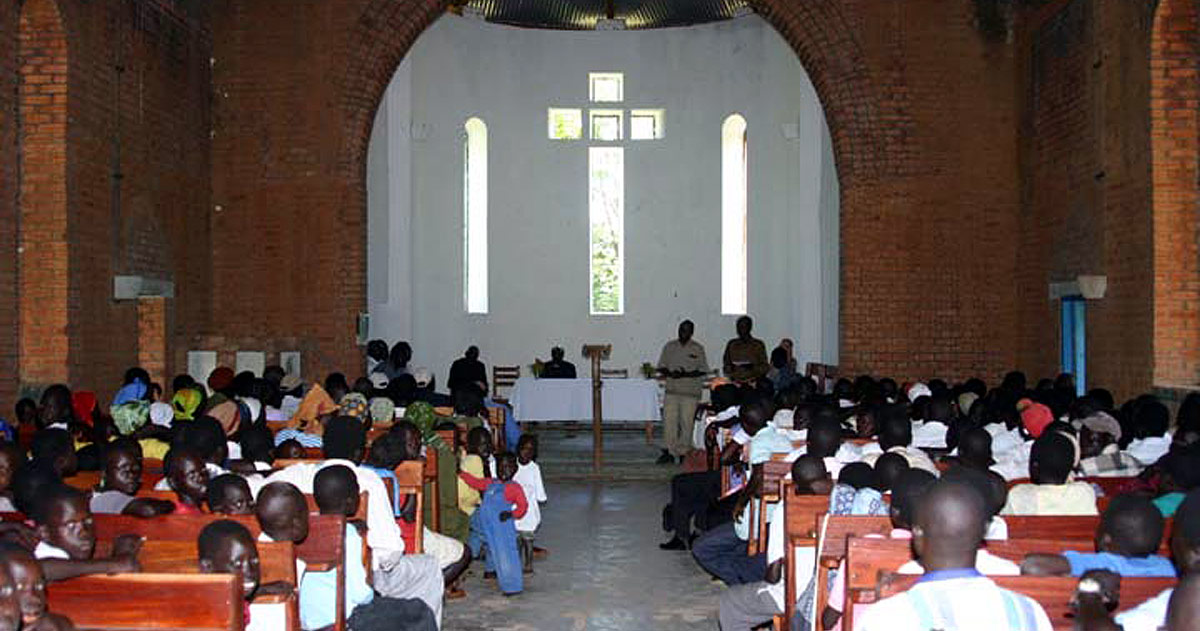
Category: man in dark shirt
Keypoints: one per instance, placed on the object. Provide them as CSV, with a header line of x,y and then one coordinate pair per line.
x,y
557,367
745,356
468,370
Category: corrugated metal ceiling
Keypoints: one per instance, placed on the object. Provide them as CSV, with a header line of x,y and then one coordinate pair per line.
x,y
583,14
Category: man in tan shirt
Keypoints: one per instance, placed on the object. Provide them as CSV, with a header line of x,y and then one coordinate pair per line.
x,y
684,365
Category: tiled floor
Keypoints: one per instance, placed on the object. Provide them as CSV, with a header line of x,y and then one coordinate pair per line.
x,y
605,571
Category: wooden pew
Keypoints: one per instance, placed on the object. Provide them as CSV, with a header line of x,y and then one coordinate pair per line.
x,y
1053,593
186,602
277,560
323,550
867,559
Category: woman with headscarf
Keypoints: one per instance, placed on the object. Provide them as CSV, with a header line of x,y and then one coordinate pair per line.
x,y
307,425
132,419
454,522
186,402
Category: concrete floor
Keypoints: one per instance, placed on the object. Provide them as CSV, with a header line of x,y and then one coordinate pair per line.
x,y
605,571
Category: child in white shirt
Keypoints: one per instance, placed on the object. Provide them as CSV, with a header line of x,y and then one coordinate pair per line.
x,y
529,476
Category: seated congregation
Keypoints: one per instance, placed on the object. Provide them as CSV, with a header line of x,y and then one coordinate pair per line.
x,y
320,505
1020,508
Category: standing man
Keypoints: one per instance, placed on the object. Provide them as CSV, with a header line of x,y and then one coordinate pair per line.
x,y
684,365
745,356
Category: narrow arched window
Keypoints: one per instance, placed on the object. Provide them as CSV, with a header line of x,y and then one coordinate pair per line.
x,y
475,216
733,215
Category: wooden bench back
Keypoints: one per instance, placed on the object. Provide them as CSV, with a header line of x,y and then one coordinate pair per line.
x,y
839,528
1110,486
186,602
313,509
323,550
89,480
277,559
1053,593
868,558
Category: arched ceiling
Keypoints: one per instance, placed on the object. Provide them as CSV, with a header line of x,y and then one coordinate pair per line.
x,y
584,14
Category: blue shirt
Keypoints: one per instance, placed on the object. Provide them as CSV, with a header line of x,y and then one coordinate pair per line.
x,y
1153,565
318,590
389,474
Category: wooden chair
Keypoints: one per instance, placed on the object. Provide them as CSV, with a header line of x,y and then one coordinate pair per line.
x,y
496,423
800,514
823,373
773,472
187,602
1053,593
410,481
430,475
504,377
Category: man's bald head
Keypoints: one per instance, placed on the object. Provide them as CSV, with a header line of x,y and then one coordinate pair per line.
x,y
951,519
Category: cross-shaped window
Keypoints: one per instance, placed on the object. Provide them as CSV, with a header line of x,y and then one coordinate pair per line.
x,y
606,130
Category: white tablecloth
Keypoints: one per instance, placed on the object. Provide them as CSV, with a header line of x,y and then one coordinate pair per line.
x,y
571,400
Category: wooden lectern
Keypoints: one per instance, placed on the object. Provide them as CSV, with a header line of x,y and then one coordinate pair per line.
x,y
597,353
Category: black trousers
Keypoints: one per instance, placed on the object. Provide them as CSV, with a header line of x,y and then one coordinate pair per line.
x,y
696,496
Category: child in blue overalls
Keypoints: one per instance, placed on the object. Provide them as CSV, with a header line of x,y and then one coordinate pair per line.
x,y
493,525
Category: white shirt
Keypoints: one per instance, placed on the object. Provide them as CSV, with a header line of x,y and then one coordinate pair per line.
x,y
46,550
784,418
1149,450
383,535
915,457
529,476
971,603
1148,616
272,616
929,434
986,562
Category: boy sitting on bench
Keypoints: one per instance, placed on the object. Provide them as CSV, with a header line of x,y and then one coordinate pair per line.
x,y
68,538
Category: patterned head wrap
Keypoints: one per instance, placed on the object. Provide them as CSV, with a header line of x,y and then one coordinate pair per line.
x,y
354,404
130,417
185,403
383,411
421,414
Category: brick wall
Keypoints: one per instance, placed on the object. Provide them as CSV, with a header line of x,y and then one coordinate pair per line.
x,y
9,307
1085,205
921,106
43,256
136,179
1175,145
